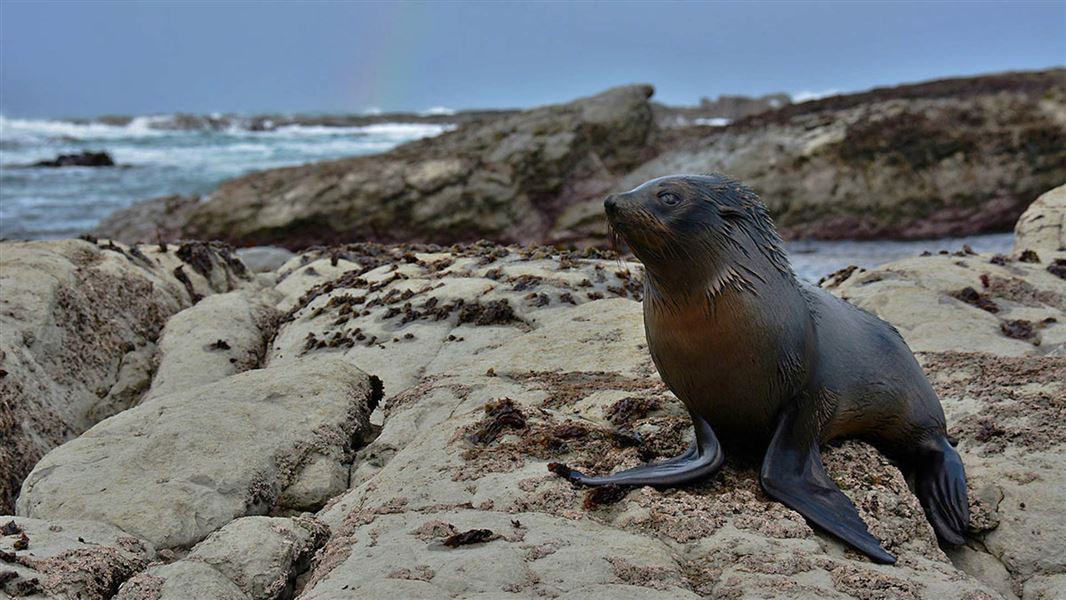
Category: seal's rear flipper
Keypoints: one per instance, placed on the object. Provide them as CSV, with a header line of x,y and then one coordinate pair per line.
x,y
792,472
701,460
940,484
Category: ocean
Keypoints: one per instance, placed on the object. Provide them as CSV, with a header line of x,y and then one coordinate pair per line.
x,y
43,203
156,160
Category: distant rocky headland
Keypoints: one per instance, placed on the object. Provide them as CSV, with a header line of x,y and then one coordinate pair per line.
x,y
942,158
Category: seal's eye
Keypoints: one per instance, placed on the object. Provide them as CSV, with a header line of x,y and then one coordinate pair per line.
x,y
669,199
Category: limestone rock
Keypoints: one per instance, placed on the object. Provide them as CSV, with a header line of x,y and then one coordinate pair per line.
x,y
264,259
503,178
148,221
963,302
181,465
220,336
936,159
1005,398
78,320
253,558
1042,227
179,581
67,558
559,339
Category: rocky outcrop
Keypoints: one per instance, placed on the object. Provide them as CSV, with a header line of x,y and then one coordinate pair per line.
x,y
496,361
991,332
253,558
721,110
1042,228
506,179
265,440
941,158
149,221
78,326
67,559
458,479
952,157
964,301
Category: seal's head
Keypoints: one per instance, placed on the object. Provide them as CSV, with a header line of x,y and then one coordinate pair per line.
x,y
695,228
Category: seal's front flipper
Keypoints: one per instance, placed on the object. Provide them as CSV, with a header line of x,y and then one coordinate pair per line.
x,y
700,461
792,472
940,484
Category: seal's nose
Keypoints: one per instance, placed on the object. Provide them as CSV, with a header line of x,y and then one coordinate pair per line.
x,y
610,204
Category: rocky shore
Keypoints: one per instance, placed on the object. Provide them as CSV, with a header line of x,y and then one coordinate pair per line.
x,y
942,158
376,420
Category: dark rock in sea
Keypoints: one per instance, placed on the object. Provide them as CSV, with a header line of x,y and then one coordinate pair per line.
x,y
87,158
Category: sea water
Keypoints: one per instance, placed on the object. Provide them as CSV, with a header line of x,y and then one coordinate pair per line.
x,y
43,203
46,203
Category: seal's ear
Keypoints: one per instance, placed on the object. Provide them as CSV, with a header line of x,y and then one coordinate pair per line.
x,y
731,213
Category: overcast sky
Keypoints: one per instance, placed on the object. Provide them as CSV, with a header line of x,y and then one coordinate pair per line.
x,y
90,58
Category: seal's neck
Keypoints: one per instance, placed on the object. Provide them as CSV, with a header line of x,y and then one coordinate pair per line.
x,y
737,268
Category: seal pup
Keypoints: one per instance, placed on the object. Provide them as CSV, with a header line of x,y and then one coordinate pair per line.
x,y
771,367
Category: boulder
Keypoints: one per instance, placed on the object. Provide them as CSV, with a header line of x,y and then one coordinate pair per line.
x,y
1042,228
67,558
933,159
78,325
178,581
964,301
181,465
253,558
221,335
991,333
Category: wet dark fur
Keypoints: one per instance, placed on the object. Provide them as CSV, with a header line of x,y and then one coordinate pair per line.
x,y
771,367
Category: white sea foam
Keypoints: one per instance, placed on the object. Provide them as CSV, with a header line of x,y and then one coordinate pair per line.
x,y
47,203
437,110
712,121
29,131
808,95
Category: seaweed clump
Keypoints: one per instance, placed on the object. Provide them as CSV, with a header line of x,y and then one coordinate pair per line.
x,y
498,415
974,298
471,536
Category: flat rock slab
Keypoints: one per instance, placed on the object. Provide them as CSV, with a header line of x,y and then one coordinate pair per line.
x,y
67,559
180,466
962,301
